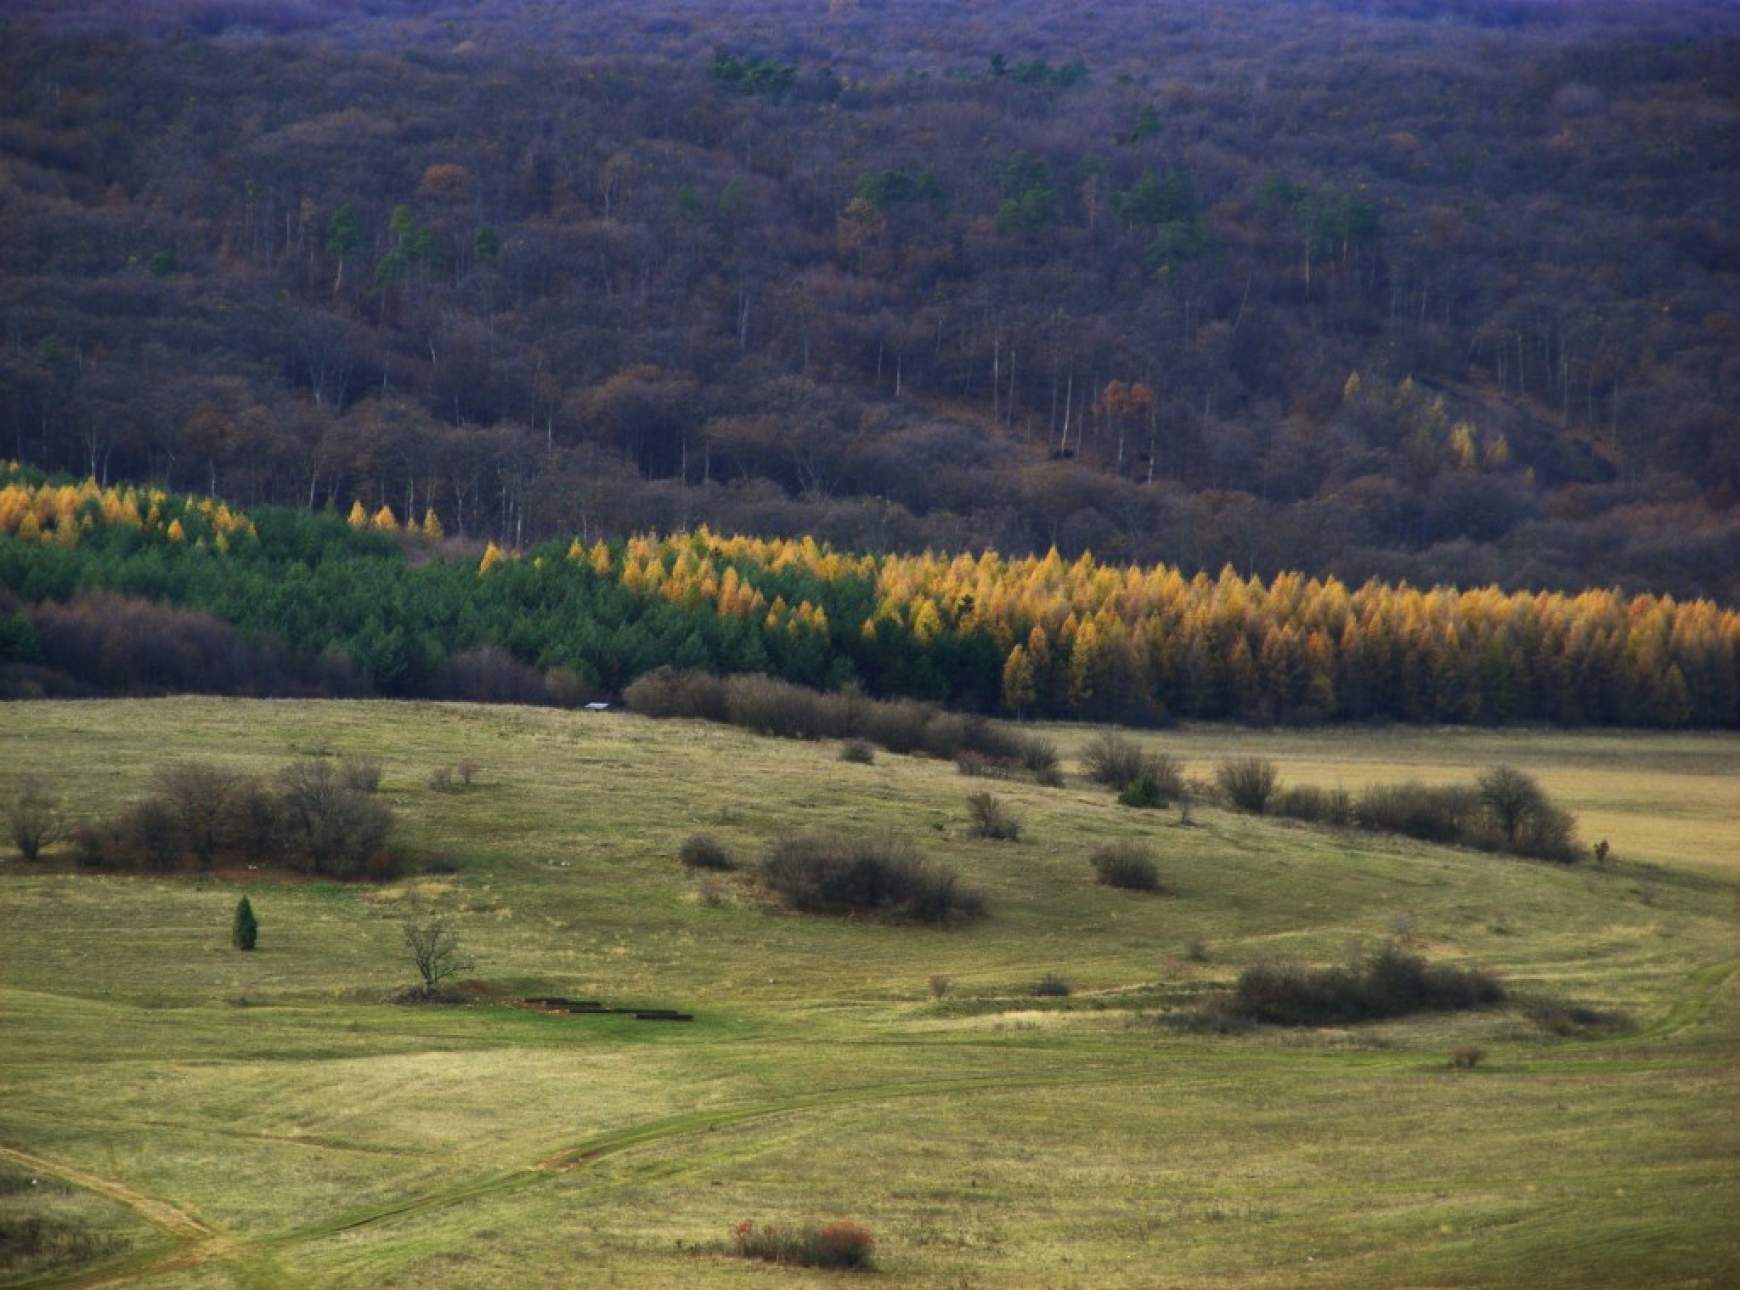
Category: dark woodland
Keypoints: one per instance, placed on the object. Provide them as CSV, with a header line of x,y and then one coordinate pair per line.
x,y
1417,289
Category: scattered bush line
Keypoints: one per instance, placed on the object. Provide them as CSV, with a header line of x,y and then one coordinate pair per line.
x,y
770,706
310,817
1390,983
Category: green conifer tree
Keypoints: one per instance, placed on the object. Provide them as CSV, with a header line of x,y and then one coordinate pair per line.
x,y
245,930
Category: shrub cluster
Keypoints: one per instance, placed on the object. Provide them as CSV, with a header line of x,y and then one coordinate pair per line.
x,y
881,876
1390,983
102,642
860,751
1504,810
1568,1019
991,819
1497,814
840,1244
1314,805
1247,782
1144,794
309,817
979,766
773,707
1051,986
1111,759
450,779
1129,865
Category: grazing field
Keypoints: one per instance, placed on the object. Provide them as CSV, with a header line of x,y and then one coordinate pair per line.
x,y
197,1116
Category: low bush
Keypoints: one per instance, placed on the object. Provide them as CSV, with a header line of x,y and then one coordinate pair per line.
x,y
991,819
1052,778
939,985
1573,1019
1314,805
360,774
90,846
880,876
704,851
1548,833
859,751
1143,793
842,1244
1248,782
775,707
441,779
489,674
979,766
897,726
668,692
1430,813
1038,756
1129,865
1504,811
1389,983
1051,986
1467,1056
1111,759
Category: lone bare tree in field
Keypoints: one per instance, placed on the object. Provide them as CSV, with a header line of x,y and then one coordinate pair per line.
x,y
33,817
434,947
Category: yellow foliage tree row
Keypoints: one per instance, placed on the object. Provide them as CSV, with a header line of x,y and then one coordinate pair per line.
x,y
1079,631
61,512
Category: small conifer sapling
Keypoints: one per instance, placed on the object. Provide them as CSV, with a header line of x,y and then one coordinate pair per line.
x,y
245,930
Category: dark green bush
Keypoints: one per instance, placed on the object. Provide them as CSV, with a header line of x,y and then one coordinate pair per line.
x,y
704,851
860,751
1144,793
1051,986
244,927
1129,865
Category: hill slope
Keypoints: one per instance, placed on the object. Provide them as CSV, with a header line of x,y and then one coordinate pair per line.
x,y
287,1128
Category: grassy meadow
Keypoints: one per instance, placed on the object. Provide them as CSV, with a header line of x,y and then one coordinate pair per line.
x,y
200,1117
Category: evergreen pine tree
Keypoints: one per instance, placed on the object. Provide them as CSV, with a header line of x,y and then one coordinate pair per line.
x,y
245,930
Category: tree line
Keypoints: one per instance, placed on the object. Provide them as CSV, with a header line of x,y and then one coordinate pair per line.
x,y
108,584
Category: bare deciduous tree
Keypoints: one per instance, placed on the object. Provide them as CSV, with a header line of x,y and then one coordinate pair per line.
x,y
434,947
33,816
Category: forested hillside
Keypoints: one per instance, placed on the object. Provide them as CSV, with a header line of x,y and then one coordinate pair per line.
x,y
135,590
1440,289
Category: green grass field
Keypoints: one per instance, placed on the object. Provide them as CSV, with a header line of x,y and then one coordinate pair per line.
x,y
208,1118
